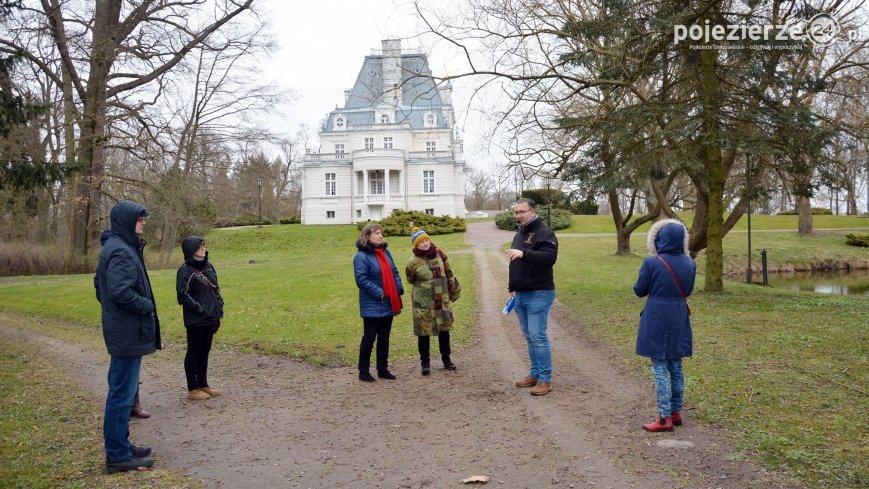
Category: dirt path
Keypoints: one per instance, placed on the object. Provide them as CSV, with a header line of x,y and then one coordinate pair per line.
x,y
281,423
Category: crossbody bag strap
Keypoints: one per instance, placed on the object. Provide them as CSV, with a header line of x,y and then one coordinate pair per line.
x,y
678,282
202,275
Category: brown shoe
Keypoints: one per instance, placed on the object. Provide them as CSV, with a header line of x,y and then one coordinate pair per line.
x,y
541,389
197,395
211,392
138,412
527,382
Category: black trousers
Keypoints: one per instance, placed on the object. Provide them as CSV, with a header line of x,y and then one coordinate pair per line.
x,y
423,343
196,361
375,329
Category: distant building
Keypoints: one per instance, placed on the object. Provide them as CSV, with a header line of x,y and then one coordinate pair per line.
x,y
392,146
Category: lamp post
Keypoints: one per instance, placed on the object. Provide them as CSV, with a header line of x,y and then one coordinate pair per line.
x,y
748,278
259,184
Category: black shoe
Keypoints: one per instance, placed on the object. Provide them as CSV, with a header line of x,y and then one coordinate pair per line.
x,y
365,377
385,374
426,369
448,365
139,452
132,463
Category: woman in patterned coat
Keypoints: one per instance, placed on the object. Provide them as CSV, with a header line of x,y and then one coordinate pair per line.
x,y
435,287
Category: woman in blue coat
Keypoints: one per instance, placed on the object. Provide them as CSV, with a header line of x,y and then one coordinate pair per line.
x,y
380,292
664,334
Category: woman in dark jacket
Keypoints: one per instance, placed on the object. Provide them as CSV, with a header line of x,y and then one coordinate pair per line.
x,y
664,335
380,292
199,294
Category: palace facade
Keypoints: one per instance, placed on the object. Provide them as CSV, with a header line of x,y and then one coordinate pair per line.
x,y
391,146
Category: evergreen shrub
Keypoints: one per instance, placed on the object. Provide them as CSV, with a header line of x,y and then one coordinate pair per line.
x,y
399,223
560,219
861,240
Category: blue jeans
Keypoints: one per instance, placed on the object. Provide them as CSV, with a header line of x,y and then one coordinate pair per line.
x,y
123,384
669,385
533,307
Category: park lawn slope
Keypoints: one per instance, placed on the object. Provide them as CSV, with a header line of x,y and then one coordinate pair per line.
x,y
289,291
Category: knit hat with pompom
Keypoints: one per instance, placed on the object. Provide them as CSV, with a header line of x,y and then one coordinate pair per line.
x,y
418,236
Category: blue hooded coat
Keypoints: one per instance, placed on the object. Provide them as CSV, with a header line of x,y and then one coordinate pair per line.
x,y
130,324
665,325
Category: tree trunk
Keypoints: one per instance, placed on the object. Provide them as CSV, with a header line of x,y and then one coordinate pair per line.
x,y
88,209
713,164
804,210
623,239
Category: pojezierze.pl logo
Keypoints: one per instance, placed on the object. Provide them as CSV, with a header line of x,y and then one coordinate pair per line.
x,y
821,30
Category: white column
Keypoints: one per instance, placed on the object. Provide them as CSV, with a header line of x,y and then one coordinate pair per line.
x,y
365,187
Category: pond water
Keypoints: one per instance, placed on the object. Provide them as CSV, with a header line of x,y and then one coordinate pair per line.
x,y
855,282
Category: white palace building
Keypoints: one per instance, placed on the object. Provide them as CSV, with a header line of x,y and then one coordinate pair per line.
x,y
392,146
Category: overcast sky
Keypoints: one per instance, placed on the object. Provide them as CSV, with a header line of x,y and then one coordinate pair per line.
x,y
323,44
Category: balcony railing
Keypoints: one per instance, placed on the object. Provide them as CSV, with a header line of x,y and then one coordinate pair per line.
x,y
419,155
374,152
378,198
315,157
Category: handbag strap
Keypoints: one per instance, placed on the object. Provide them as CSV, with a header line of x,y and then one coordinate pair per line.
x,y
678,282
202,275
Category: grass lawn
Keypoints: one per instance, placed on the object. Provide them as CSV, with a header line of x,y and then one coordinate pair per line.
x,y
49,425
784,372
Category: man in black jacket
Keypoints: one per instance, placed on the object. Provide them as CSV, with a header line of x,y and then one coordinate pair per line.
x,y
130,329
532,256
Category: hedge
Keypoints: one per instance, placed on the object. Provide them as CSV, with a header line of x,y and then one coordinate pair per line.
x,y
399,223
560,219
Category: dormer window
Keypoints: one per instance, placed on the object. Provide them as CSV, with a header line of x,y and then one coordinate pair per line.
x,y
384,119
430,120
339,122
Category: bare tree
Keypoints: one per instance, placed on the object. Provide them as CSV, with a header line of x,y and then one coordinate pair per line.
x,y
107,51
638,107
478,184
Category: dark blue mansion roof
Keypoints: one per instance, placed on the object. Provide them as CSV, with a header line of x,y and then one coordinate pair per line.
x,y
419,94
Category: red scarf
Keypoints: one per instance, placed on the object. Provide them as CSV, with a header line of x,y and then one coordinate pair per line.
x,y
390,291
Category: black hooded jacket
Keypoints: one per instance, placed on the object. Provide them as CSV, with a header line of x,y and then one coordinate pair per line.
x,y
129,315
197,287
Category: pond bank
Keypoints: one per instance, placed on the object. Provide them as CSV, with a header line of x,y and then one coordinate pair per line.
x,y
732,271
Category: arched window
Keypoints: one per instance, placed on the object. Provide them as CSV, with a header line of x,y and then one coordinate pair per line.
x,y
339,122
384,119
429,120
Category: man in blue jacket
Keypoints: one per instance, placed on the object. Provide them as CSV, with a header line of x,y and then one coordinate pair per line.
x,y
130,329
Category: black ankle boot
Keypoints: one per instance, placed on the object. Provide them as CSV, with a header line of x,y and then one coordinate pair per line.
x,y
426,368
448,364
385,374
365,377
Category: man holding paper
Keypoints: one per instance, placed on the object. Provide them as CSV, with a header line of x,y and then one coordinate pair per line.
x,y
532,256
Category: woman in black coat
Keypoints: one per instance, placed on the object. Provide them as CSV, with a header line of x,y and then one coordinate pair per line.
x,y
199,294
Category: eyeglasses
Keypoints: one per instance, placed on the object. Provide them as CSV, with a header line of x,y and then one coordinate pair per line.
x,y
518,212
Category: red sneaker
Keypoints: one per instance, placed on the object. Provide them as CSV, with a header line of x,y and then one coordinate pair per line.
x,y
661,424
677,418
